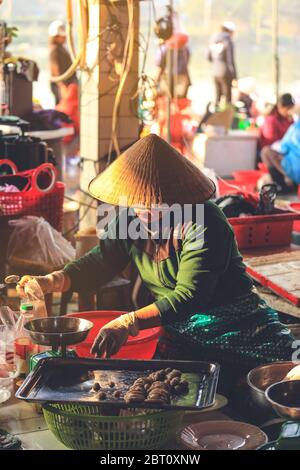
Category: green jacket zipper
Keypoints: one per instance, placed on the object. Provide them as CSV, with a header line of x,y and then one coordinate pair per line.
x,y
156,260
157,265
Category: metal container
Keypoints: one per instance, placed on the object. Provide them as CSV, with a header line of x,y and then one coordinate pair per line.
x,y
58,331
65,381
284,397
260,378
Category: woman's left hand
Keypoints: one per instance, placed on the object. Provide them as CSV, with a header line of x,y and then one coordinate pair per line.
x,y
114,335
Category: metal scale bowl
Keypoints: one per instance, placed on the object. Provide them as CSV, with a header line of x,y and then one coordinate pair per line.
x,y
262,377
284,397
58,332
272,393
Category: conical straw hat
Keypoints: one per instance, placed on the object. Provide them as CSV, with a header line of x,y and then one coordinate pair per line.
x,y
151,173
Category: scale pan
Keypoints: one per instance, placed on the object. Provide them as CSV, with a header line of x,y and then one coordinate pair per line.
x,y
58,331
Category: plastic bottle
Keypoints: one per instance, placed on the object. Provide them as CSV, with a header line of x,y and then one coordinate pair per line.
x,y
3,292
40,310
7,332
27,310
37,299
36,308
24,348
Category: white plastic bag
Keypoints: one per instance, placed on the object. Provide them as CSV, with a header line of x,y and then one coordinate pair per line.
x,y
35,296
37,246
9,366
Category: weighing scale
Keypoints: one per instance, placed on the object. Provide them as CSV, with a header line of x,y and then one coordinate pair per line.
x,y
58,332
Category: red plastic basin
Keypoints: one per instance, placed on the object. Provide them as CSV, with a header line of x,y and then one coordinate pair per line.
x,y
247,177
263,167
234,186
296,207
142,346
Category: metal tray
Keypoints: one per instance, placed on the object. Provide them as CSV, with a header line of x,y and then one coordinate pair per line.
x,y
59,380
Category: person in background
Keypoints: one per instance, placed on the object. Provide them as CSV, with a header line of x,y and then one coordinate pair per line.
x,y
181,82
284,162
277,122
246,96
69,104
59,58
271,152
222,56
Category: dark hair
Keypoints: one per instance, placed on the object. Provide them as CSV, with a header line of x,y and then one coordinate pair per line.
x,y
286,100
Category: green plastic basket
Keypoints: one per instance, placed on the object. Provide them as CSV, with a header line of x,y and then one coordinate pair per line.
x,y
87,428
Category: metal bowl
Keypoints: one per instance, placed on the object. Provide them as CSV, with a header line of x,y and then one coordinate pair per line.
x,y
260,378
58,331
285,398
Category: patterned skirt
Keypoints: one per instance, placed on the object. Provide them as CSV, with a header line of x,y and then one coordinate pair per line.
x,y
246,332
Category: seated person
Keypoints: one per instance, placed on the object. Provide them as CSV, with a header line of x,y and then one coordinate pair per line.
x,y
277,121
284,162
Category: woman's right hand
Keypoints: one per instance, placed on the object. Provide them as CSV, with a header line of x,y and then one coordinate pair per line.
x,y
35,286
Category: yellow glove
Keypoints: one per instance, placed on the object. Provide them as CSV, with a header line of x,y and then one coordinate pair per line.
x,y
294,374
115,334
34,287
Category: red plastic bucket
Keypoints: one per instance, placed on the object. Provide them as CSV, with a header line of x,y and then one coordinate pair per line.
x,y
233,187
142,346
247,177
263,167
296,207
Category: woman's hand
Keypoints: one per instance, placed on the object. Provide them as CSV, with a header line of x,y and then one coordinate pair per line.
x,y
32,286
36,286
115,334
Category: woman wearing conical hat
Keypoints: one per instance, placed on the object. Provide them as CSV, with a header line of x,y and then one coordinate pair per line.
x,y
187,256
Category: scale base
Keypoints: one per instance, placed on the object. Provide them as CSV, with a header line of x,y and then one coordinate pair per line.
x,y
54,353
289,438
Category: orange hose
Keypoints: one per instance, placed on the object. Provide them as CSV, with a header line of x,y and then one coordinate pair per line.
x,y
69,8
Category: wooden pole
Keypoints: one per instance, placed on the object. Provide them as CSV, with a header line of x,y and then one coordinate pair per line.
x,y
275,48
170,82
98,95
2,54
258,20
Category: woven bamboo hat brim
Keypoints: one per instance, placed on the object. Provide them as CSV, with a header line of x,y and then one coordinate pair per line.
x,y
151,173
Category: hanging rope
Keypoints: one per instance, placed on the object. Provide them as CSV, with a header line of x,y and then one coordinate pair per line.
x,y
126,65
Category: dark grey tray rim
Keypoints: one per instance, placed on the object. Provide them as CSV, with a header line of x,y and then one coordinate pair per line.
x,y
211,368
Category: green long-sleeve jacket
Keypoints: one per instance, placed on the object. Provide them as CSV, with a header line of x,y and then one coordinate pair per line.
x,y
197,271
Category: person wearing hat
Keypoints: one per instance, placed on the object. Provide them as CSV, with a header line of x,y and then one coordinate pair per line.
x,y
187,256
59,58
221,55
